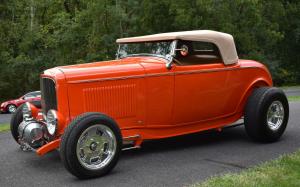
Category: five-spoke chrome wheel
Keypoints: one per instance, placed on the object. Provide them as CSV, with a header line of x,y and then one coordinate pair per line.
x,y
12,108
96,147
275,115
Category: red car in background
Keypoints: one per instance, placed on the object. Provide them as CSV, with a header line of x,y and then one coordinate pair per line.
x,y
12,105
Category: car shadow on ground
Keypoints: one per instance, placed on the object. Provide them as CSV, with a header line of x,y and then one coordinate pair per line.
x,y
153,151
191,141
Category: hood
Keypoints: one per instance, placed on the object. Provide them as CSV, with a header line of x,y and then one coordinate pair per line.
x,y
107,69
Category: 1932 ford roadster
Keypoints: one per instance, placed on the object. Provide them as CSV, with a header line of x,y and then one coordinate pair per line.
x,y
159,86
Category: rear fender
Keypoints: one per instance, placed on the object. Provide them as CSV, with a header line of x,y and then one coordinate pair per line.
x,y
255,84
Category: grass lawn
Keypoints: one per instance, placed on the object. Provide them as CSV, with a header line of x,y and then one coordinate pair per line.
x,y
287,87
281,172
294,98
4,127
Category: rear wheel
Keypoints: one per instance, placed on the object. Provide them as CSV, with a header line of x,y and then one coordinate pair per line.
x,y
91,145
266,114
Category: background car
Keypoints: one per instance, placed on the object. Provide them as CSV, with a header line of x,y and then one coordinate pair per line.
x,y
12,105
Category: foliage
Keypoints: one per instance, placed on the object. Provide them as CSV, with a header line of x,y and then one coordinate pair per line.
x,y
36,35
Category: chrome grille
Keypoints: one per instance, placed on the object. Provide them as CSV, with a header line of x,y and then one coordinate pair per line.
x,y
48,95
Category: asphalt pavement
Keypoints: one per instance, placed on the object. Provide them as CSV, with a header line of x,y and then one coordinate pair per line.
x,y
292,91
5,118
179,161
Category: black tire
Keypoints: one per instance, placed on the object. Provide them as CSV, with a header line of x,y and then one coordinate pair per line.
x,y
15,121
17,118
256,112
69,142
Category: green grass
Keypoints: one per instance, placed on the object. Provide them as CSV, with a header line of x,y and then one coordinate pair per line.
x,y
4,127
294,98
287,87
281,172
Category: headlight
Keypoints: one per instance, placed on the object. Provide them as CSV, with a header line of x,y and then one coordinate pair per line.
x,y
51,120
26,110
2,104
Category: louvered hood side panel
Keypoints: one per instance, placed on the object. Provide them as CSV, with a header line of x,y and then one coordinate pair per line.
x,y
123,100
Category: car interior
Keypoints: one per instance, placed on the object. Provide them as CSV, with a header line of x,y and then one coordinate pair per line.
x,y
195,53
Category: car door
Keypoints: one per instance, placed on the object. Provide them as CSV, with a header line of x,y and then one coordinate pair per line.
x,y
200,92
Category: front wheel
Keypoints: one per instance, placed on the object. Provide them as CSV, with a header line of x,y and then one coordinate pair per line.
x,y
266,114
15,121
91,145
11,108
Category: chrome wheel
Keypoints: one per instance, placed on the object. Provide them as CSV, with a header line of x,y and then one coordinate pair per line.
x,y
275,115
12,108
96,147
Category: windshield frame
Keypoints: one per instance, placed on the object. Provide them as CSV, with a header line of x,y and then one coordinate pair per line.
x,y
168,57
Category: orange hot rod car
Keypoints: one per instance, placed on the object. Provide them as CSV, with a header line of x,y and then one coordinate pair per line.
x,y
159,86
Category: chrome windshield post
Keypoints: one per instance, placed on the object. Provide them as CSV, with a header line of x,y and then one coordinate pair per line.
x,y
117,54
171,55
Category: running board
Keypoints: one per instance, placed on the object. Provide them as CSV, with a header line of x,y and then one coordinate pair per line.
x,y
234,125
129,148
132,137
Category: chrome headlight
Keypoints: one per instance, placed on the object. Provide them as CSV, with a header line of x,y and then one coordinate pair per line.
x,y
26,110
51,120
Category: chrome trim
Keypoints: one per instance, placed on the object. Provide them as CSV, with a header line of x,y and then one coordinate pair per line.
x,y
46,107
132,137
129,148
31,134
275,115
50,122
12,108
26,111
96,147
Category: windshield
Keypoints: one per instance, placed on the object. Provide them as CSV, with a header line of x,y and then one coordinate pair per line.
x,y
158,48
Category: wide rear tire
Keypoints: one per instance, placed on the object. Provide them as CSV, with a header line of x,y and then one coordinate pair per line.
x,y
91,145
266,114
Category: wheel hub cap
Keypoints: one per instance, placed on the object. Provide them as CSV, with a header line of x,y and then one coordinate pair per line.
x,y
96,147
275,115
11,109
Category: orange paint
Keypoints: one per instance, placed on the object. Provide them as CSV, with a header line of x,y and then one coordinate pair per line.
x,y
48,147
147,99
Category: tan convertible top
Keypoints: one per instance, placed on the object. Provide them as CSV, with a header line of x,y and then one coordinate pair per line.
x,y
225,42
